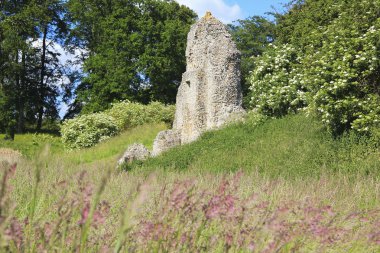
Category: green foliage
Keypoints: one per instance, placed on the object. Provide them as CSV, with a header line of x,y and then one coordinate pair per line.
x,y
129,50
313,179
87,130
342,73
110,150
136,50
128,114
31,74
252,36
275,88
30,145
331,68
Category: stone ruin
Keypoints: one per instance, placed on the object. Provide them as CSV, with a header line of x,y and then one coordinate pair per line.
x,y
210,93
136,151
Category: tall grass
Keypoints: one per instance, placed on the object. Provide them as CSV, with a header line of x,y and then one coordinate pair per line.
x,y
187,212
240,199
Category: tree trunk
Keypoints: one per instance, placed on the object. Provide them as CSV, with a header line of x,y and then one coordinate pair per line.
x,y
10,128
42,77
21,97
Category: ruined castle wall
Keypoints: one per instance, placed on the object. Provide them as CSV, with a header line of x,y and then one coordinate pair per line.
x,y
210,90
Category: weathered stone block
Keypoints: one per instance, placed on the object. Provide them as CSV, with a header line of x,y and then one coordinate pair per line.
x,y
165,140
210,92
134,152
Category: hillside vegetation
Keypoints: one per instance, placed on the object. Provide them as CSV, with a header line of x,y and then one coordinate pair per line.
x,y
293,146
31,145
300,173
325,61
88,130
288,185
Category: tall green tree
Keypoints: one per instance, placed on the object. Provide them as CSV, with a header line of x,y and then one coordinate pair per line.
x,y
16,27
135,50
164,26
252,36
52,27
30,69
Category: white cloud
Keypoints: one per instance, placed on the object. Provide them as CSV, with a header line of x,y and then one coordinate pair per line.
x,y
221,10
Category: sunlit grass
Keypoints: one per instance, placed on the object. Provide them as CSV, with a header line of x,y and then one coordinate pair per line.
x,y
291,160
141,197
291,147
111,149
32,145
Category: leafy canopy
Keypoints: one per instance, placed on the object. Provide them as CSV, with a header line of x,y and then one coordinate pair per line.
x,y
326,61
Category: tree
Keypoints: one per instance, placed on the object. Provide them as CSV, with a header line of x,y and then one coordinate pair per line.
x,y
252,36
16,27
135,50
164,26
30,69
331,51
51,27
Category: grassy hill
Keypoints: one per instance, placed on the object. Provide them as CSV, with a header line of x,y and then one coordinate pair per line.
x,y
297,189
294,146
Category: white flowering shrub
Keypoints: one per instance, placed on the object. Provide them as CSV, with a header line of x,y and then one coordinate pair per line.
x,y
341,68
128,114
158,112
87,130
336,74
275,87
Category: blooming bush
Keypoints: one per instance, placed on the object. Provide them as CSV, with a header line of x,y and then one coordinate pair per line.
x,y
88,130
275,89
334,75
128,114
342,73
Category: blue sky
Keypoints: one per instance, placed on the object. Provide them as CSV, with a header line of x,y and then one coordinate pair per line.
x,y
230,10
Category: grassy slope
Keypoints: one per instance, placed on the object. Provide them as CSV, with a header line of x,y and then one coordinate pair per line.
x,y
31,145
292,146
57,165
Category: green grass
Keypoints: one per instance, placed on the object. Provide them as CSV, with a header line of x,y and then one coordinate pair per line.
x,y
111,149
32,145
293,146
286,160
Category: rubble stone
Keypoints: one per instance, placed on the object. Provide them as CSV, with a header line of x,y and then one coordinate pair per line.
x,y
134,152
165,140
